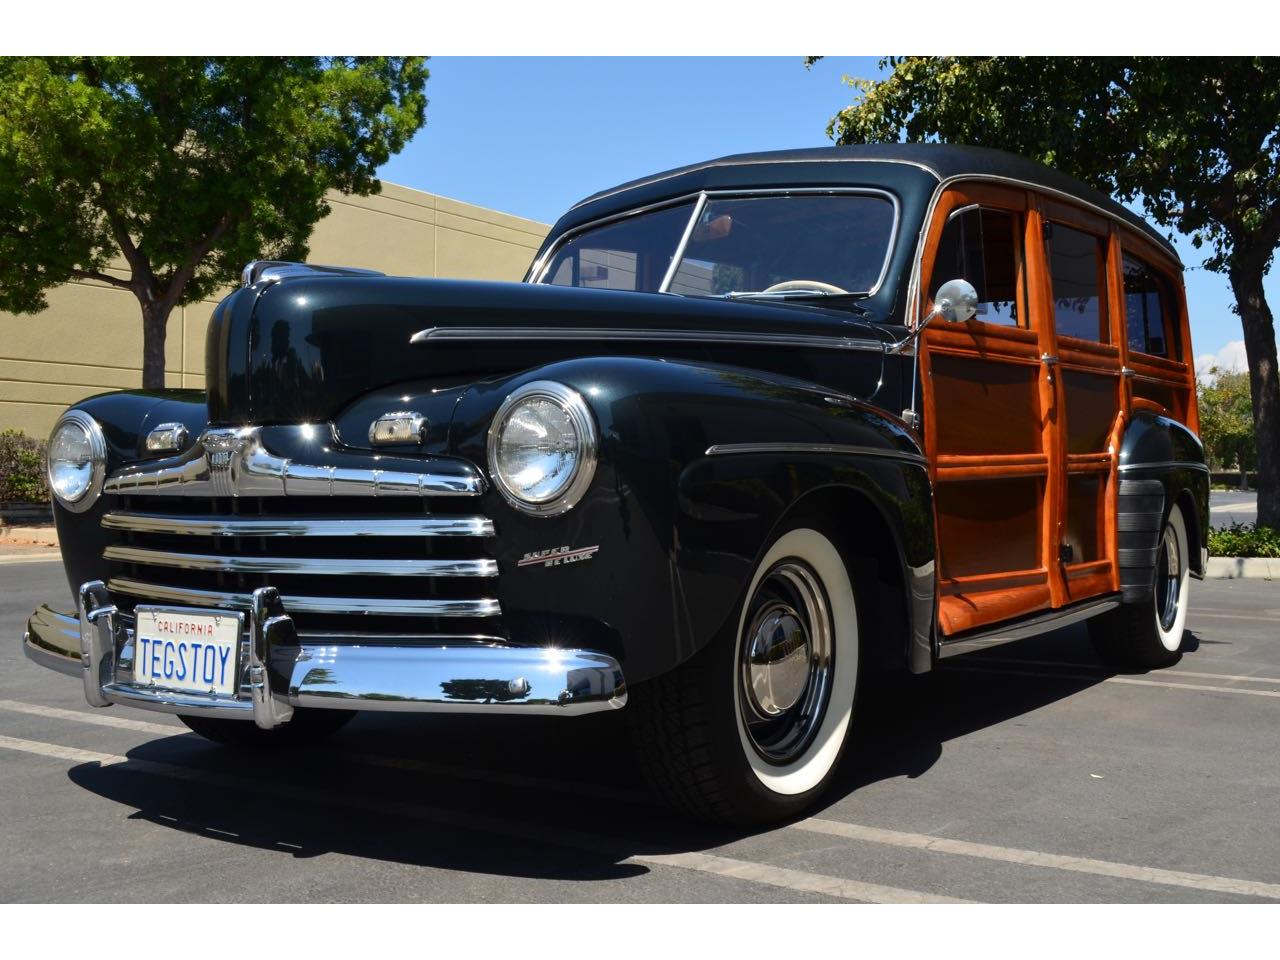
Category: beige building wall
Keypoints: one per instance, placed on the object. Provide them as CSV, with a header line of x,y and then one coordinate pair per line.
x,y
89,340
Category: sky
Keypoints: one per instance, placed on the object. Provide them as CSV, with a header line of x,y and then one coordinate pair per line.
x,y
531,136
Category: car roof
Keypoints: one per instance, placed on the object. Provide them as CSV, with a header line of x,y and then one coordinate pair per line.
x,y
929,164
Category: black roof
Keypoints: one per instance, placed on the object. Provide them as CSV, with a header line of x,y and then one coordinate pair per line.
x,y
932,162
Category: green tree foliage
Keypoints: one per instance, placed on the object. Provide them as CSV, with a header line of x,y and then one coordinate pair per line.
x,y
1226,419
1195,139
184,168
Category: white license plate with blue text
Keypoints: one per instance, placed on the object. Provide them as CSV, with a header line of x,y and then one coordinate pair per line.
x,y
195,651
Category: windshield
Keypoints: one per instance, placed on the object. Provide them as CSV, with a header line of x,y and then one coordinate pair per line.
x,y
810,244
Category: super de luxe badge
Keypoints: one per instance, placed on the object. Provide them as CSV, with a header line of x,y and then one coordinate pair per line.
x,y
557,556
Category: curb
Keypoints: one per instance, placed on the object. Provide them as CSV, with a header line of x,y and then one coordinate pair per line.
x,y
1242,568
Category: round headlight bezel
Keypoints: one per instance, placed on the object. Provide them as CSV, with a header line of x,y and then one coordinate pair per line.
x,y
584,424
98,461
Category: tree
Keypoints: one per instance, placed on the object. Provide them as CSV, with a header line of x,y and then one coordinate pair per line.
x,y
1226,420
185,168
1195,140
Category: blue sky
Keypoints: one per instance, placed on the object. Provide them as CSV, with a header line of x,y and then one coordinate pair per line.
x,y
530,136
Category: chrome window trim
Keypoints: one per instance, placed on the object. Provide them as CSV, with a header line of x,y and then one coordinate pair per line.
x,y
310,566
584,422
537,272
913,285
232,526
840,449
98,454
676,258
1166,465
391,606
479,334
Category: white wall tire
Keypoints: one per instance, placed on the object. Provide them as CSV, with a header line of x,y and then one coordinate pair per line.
x,y
689,727
1170,598
812,766
1148,634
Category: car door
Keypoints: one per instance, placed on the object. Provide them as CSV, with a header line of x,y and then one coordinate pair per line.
x,y
988,408
1079,316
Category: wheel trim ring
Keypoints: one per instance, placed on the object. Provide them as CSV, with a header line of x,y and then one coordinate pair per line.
x,y
1168,579
793,730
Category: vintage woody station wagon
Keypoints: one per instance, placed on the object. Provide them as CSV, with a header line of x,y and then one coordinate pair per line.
x,y
751,432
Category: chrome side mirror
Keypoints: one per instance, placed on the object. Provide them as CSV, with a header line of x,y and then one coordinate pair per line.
x,y
955,302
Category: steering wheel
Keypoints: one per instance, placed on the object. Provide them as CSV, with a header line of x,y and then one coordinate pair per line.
x,y
816,286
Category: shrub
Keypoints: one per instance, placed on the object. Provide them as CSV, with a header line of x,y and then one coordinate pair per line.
x,y
21,468
1244,540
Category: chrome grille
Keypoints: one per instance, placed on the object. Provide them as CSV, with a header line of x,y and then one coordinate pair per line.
x,y
353,552
355,572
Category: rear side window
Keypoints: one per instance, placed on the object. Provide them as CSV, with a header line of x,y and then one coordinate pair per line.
x,y
1077,265
1148,309
984,247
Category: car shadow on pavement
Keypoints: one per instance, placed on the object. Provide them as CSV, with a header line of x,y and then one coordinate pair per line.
x,y
537,797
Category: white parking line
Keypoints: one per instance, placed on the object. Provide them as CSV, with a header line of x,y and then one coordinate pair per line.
x,y
105,719
1034,858
798,880
1275,681
97,719
706,863
1100,678
1193,614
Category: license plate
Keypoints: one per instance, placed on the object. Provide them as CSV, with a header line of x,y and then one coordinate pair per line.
x,y
194,651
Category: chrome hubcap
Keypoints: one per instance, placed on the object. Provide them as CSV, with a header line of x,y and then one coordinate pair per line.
x,y
1168,579
785,662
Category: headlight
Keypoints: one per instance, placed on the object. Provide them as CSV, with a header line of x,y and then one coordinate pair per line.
x,y
77,461
542,448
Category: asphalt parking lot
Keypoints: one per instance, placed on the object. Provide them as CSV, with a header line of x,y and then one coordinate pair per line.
x,y
1027,773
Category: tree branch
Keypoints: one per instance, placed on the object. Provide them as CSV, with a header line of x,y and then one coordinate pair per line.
x,y
182,276
103,278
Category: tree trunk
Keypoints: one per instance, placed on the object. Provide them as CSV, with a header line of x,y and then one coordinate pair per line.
x,y
155,325
1264,385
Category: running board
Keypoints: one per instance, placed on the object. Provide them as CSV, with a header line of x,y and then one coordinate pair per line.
x,y
975,640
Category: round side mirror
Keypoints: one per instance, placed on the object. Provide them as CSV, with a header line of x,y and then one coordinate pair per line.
x,y
956,301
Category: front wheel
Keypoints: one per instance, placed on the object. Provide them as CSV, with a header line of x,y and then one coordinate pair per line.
x,y
1148,634
306,727
751,729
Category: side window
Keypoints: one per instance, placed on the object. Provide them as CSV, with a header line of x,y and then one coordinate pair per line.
x,y
984,247
1148,309
1077,264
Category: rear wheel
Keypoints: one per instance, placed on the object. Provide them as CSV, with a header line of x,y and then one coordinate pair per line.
x,y
306,727
753,727
1149,633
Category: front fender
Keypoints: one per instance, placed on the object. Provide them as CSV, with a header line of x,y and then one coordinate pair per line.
x,y
698,465
126,417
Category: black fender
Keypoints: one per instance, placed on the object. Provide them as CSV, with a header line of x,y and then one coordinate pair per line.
x,y
1162,463
126,417
699,463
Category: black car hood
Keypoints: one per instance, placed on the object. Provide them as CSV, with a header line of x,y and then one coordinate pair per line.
x,y
302,349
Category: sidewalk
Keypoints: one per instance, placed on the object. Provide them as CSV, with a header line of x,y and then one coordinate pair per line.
x,y
27,544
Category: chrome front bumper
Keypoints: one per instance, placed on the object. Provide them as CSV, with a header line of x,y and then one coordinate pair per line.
x,y
280,670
